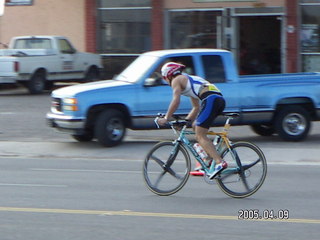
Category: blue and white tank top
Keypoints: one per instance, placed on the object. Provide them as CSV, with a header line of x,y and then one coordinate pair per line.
x,y
195,85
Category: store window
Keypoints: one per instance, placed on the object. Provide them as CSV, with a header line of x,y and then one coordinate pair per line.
x,y
310,35
18,2
194,29
124,26
124,3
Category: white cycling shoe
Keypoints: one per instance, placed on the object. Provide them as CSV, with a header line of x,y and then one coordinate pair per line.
x,y
217,169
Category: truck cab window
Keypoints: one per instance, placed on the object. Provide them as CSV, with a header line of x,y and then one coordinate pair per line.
x,y
33,43
185,60
65,47
214,68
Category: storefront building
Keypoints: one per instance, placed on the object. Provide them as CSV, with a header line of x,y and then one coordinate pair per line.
x,y
310,35
255,31
266,36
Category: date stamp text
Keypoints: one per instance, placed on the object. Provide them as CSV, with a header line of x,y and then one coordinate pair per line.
x,y
267,214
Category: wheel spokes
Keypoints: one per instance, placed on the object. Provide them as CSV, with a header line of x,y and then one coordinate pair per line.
x,y
247,165
166,167
242,170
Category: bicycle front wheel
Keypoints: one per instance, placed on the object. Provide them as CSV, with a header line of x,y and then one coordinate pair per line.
x,y
246,172
166,168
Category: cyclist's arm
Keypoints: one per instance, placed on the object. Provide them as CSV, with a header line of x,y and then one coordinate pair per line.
x,y
195,109
175,102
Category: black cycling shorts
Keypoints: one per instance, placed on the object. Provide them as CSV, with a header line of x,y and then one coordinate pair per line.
x,y
211,106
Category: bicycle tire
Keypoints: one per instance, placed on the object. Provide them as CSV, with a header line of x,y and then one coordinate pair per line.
x,y
166,168
251,172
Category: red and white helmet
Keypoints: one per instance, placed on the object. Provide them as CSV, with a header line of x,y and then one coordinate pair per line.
x,y
171,68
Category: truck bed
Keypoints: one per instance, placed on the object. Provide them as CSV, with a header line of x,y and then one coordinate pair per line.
x,y
280,77
26,52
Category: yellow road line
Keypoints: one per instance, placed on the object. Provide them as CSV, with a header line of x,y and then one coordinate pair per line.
x,y
149,214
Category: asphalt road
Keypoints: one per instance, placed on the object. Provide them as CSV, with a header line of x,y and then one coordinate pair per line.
x,y
55,188
51,199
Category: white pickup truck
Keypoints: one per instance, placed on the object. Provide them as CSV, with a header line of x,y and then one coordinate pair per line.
x,y
38,61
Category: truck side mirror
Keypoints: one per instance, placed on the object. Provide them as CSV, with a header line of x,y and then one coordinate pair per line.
x,y
69,51
150,82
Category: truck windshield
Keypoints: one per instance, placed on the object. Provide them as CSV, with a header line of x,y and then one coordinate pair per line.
x,y
137,69
33,43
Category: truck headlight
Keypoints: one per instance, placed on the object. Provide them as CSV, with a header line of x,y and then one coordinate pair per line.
x,y
71,101
70,104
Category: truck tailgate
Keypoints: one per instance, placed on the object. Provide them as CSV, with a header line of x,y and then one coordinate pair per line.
x,y
7,71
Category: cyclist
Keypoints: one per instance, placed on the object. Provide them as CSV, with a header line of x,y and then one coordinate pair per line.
x,y
212,104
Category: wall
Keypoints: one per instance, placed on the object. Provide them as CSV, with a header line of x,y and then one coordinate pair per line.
x,y
46,17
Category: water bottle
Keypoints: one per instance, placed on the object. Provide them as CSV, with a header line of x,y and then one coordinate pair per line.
x,y
203,155
217,142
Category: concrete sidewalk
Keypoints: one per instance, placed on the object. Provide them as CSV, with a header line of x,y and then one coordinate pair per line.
x,y
136,150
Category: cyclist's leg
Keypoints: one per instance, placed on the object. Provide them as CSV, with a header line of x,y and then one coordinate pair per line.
x,y
206,143
211,107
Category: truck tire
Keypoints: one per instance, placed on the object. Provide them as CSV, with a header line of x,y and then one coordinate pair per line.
x,y
292,123
263,129
110,128
36,84
48,85
86,137
92,75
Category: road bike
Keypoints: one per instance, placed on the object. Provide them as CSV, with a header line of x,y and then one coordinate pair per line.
x,y
167,166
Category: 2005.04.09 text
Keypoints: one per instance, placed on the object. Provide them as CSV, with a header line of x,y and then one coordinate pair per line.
x,y
251,214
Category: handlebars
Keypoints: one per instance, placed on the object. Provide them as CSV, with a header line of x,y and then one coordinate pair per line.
x,y
178,122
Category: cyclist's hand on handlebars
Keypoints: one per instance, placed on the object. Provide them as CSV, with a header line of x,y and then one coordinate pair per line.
x,y
189,122
162,121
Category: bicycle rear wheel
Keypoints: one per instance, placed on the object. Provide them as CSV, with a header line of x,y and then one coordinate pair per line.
x,y
246,172
166,168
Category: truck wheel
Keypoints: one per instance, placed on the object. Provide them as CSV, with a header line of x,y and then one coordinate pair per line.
x,y
110,128
86,137
36,84
263,129
49,85
293,123
92,75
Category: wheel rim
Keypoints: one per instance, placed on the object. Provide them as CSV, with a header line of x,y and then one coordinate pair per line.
x,y
115,129
164,178
252,175
294,124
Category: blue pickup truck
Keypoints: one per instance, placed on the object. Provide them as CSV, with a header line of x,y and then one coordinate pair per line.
x,y
283,104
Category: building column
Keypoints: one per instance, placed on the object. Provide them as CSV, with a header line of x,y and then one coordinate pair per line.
x,y
292,36
157,25
90,25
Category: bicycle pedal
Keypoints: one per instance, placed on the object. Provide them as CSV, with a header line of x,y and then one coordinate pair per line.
x,y
197,173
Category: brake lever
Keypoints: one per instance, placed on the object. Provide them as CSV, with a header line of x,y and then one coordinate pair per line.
x,y
156,122
159,115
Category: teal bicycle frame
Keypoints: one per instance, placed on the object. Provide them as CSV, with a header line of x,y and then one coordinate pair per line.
x,y
182,139
157,163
